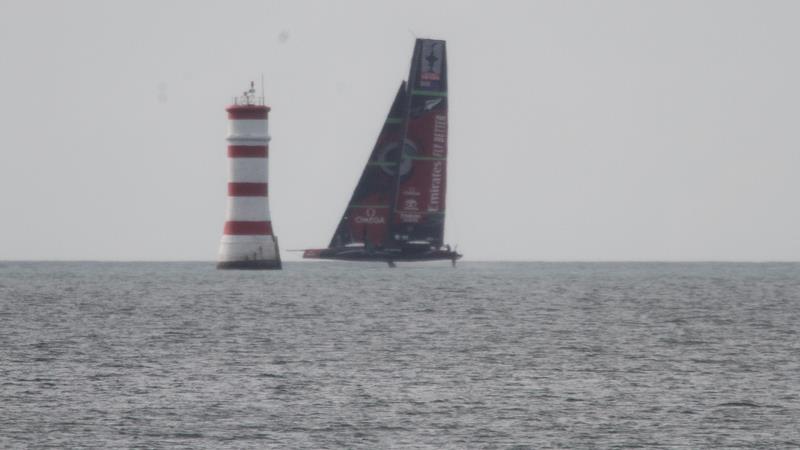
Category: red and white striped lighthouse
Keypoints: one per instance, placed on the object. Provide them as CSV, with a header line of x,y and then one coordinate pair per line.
x,y
248,242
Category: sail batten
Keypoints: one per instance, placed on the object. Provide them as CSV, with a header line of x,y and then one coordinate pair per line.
x,y
429,93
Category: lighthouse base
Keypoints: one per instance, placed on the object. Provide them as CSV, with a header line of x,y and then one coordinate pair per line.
x,y
249,253
249,265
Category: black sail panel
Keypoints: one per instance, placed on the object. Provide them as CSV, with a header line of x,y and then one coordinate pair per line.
x,y
366,218
419,208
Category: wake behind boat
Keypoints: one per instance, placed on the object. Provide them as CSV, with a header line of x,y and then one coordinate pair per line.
x,y
397,210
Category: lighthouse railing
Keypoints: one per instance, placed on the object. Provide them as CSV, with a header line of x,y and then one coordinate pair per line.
x,y
247,100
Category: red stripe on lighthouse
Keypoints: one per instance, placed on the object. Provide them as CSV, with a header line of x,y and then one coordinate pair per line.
x,y
247,151
247,189
247,112
248,228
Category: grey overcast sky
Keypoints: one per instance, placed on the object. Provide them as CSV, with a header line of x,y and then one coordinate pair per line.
x,y
579,130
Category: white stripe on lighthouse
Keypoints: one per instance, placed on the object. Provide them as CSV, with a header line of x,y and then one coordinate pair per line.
x,y
247,129
247,209
248,170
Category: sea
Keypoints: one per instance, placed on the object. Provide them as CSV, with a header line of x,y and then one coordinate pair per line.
x,y
358,355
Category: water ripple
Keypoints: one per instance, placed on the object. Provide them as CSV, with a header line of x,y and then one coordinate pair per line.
x,y
501,355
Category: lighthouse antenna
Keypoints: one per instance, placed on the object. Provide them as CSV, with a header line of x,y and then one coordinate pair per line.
x,y
263,93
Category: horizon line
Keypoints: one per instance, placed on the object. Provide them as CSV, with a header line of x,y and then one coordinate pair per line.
x,y
545,261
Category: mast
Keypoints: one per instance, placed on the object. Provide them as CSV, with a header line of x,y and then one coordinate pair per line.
x,y
392,235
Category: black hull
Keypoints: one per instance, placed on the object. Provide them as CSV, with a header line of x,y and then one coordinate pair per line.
x,y
249,265
384,256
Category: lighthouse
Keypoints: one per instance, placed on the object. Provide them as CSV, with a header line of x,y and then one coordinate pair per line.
x,y
248,241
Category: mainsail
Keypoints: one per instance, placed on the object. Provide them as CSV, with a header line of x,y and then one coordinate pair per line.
x,y
397,210
419,206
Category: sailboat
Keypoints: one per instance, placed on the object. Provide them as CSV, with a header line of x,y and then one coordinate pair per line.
x,y
397,210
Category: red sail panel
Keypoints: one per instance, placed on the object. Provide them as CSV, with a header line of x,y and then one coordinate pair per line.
x,y
420,198
366,218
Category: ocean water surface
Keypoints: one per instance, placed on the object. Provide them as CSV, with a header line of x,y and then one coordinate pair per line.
x,y
347,355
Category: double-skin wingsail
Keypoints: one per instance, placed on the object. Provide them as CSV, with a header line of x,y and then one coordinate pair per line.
x,y
397,210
